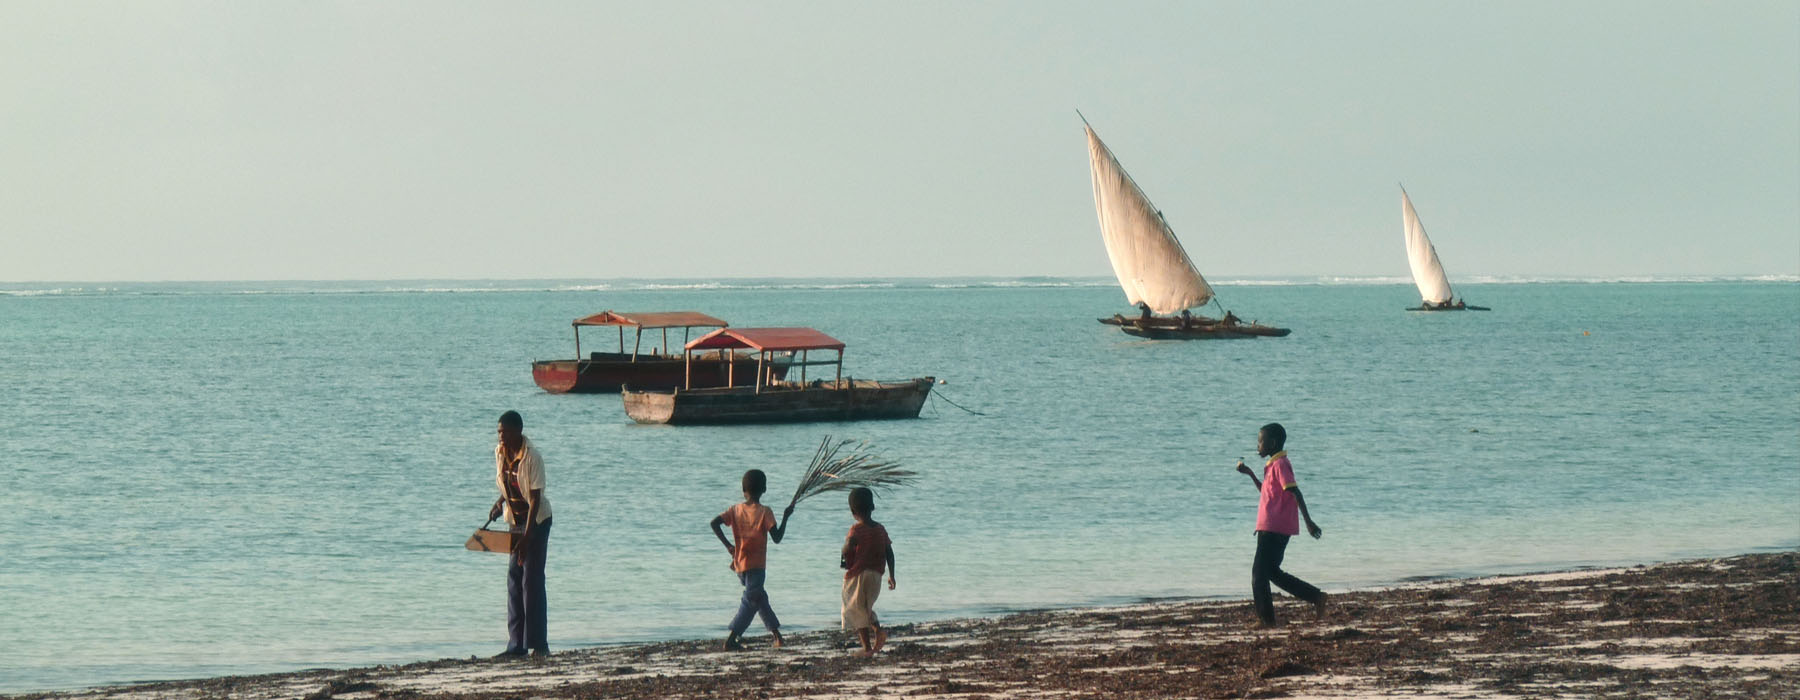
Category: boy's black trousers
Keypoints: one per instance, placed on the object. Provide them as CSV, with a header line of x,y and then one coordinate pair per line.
x,y
1270,548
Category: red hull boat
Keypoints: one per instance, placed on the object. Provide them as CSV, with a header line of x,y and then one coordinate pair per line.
x,y
607,372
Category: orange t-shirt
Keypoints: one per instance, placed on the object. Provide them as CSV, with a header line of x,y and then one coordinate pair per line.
x,y
868,549
750,525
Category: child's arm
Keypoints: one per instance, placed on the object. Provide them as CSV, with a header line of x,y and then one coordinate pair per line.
x,y
781,529
890,563
717,521
1245,470
844,554
1312,528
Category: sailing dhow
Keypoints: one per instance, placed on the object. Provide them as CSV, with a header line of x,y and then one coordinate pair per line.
x,y
1152,267
1427,271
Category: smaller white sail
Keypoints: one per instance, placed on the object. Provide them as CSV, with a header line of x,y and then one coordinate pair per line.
x,y
1151,265
1427,272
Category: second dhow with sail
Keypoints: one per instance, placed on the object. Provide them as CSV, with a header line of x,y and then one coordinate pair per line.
x,y
1427,271
1152,267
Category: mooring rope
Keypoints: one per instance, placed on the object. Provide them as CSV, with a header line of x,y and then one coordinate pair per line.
x,y
939,393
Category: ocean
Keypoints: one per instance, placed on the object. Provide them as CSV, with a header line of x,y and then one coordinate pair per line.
x,y
228,478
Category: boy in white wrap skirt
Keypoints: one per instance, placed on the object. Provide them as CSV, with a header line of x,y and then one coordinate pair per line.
x,y
867,553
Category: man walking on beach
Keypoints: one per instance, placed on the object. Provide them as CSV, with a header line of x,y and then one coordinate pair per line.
x,y
519,471
1276,521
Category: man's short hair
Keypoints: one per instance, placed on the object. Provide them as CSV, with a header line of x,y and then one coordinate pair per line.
x,y
755,482
511,419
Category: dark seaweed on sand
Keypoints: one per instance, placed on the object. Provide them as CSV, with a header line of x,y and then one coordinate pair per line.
x,y
1727,628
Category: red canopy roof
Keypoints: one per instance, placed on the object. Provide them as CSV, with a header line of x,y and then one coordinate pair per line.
x,y
762,339
651,319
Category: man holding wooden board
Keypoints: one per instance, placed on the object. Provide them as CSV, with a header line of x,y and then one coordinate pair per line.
x,y
519,472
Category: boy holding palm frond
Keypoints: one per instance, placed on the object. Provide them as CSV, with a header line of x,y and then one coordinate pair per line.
x,y
752,525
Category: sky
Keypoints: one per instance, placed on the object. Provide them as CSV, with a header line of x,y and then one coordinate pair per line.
x,y
452,140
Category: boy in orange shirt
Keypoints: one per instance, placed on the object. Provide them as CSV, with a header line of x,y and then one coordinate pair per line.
x,y
752,525
867,550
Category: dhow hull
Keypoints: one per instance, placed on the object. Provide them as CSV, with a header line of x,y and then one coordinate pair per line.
x,y
1199,328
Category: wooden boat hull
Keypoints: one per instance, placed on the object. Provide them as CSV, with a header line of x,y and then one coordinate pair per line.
x,y
1198,328
822,400
606,372
1448,308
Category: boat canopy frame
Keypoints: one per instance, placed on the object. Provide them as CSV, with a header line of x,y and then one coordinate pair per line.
x,y
640,321
765,342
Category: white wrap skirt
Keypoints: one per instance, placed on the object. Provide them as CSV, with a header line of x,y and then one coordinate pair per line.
x,y
860,592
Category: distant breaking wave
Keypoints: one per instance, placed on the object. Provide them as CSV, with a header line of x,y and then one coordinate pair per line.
x,y
72,289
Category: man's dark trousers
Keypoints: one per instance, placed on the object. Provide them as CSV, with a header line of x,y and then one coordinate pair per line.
x,y
525,610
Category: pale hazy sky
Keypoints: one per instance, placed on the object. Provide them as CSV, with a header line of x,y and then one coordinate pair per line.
x,y
319,140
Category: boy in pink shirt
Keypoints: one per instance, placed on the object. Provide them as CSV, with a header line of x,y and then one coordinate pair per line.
x,y
1276,521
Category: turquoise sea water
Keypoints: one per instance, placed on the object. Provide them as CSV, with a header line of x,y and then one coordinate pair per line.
x,y
206,479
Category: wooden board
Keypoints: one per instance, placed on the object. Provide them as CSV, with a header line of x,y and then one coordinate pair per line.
x,y
485,540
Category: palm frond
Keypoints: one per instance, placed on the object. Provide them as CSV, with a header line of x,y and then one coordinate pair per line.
x,y
834,469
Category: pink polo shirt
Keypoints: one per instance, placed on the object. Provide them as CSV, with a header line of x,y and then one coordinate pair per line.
x,y
1278,512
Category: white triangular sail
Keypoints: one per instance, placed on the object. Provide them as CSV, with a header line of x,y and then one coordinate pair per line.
x,y
1149,262
1427,272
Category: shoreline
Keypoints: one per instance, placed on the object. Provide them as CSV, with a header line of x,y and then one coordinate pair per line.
x,y
1689,628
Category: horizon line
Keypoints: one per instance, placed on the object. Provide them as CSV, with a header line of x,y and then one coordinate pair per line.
x,y
1472,278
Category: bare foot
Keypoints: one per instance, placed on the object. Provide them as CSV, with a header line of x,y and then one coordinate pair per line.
x,y
1261,625
776,642
1319,605
866,653
880,639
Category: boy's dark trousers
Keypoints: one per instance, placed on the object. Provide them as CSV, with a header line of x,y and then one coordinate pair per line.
x,y
525,610
754,603
1270,548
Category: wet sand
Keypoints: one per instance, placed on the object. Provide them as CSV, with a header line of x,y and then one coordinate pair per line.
x,y
1706,628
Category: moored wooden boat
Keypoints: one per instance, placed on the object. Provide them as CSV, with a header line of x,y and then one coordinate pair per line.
x,y
606,372
770,399
1153,269
781,402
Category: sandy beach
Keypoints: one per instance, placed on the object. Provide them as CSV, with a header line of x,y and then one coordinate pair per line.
x,y
1706,628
